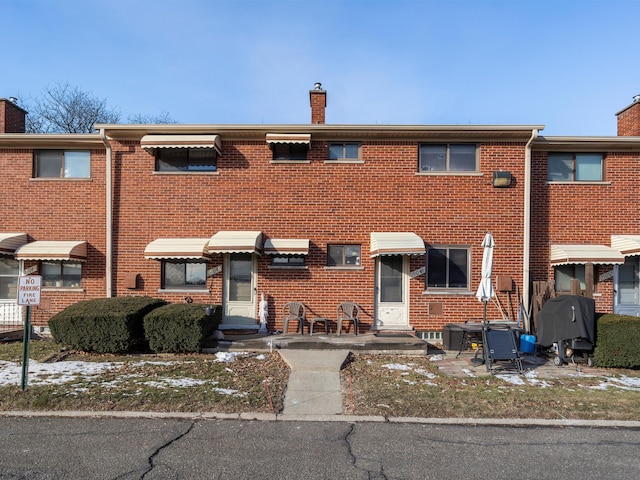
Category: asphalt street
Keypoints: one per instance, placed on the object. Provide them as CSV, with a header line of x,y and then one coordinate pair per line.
x,y
167,448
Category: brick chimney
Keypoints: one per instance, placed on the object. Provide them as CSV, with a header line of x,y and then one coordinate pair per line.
x,y
318,100
12,117
629,119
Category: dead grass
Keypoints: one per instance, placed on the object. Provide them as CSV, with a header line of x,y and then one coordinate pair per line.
x,y
375,385
386,385
181,383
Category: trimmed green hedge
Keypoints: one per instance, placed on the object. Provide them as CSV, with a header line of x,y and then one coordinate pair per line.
x,y
618,342
180,327
104,325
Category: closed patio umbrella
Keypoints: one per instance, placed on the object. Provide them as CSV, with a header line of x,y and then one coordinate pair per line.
x,y
485,289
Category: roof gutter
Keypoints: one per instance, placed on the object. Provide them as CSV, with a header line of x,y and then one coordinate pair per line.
x,y
109,219
526,249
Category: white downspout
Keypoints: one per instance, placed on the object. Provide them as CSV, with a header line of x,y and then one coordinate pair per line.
x,y
526,251
109,222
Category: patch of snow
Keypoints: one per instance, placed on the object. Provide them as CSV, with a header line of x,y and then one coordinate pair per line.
x,y
513,379
53,373
261,357
397,366
423,372
175,382
436,358
228,356
468,372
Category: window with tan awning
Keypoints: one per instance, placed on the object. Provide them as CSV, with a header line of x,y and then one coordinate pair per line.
x,y
177,248
53,250
151,142
286,246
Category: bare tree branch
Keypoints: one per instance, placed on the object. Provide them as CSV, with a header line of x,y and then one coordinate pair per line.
x,y
63,108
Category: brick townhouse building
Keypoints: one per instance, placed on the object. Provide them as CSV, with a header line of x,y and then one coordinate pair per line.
x,y
388,216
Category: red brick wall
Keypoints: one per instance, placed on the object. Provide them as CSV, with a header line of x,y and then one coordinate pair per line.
x,y
565,213
629,121
318,100
57,209
12,117
327,203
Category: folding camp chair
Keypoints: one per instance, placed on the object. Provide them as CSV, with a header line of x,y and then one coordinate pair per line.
x,y
499,344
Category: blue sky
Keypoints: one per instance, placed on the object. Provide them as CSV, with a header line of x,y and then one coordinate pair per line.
x,y
568,64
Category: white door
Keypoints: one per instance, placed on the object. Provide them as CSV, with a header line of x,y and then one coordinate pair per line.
x,y
392,282
239,289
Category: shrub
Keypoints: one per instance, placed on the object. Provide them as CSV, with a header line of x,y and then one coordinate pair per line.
x,y
618,342
105,325
180,327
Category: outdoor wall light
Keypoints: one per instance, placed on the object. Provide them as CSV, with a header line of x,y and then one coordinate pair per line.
x,y
501,179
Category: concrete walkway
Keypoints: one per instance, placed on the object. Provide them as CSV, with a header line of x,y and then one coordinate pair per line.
x,y
314,382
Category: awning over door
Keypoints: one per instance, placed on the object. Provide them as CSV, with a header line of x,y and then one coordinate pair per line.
x,y
396,243
53,250
151,142
240,241
286,246
10,242
177,248
581,254
303,138
626,244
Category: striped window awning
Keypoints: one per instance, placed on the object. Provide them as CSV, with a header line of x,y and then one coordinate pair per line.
x,y
396,243
239,241
582,254
10,242
53,250
286,246
151,142
302,138
177,248
626,244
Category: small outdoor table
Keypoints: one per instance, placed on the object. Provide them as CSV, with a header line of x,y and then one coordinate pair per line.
x,y
319,319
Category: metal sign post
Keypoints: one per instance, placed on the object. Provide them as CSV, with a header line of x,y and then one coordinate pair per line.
x,y
28,294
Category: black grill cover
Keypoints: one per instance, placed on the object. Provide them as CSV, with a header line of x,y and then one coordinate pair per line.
x,y
566,317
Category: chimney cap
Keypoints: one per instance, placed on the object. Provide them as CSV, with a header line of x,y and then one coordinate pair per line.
x,y
636,98
317,86
13,100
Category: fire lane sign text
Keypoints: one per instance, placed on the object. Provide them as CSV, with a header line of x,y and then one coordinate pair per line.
x,y
29,290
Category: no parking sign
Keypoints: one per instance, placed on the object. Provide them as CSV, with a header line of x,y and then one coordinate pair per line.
x,y
29,290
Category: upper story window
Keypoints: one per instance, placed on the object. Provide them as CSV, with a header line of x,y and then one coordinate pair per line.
x,y
186,160
343,255
344,151
448,157
575,167
62,164
289,151
62,274
448,268
177,274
